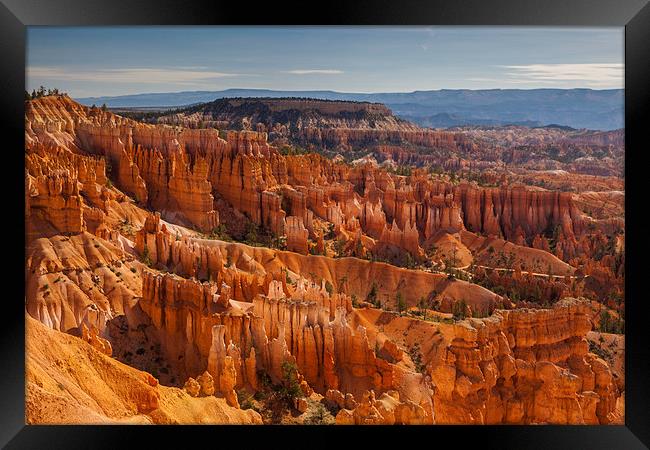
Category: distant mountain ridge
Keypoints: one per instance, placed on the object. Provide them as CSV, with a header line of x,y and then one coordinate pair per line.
x,y
577,108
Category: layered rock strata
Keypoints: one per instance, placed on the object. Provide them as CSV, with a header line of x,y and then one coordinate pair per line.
x,y
180,171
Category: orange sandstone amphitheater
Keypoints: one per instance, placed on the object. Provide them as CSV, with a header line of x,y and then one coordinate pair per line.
x,y
240,262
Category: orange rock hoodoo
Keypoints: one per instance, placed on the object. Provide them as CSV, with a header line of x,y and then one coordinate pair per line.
x,y
215,315
524,366
299,327
179,171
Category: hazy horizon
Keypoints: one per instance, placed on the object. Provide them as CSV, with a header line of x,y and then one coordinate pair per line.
x,y
343,92
116,61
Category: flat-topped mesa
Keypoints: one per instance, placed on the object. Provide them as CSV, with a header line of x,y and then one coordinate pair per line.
x,y
315,123
523,366
324,107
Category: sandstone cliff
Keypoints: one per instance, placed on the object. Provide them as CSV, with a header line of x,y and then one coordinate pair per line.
x,y
163,293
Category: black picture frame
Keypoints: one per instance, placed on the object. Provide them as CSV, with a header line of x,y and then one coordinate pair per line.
x,y
634,15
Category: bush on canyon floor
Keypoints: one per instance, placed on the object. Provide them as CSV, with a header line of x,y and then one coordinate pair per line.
x,y
479,313
220,233
279,242
401,303
245,399
400,170
425,304
459,310
276,400
288,150
319,415
611,324
372,295
290,387
252,235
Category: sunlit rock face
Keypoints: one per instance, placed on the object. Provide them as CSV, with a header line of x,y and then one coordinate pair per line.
x,y
524,366
124,255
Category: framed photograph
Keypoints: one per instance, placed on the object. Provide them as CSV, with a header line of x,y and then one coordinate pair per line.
x,y
382,215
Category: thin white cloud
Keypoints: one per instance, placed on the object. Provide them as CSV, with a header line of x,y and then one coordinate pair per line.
x,y
314,72
588,74
481,79
130,75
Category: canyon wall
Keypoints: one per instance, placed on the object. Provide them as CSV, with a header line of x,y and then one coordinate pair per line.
x,y
525,366
102,266
277,327
180,171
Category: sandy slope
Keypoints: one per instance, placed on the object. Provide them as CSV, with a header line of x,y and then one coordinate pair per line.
x,y
68,381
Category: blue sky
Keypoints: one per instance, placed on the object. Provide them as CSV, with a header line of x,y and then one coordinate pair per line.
x,y
106,61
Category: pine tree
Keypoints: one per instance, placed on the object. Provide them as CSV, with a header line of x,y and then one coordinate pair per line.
x,y
423,307
401,304
372,295
459,310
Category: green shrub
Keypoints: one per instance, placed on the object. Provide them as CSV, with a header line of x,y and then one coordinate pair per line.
x,y
609,324
319,416
245,399
145,257
459,310
372,295
290,387
416,357
401,303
